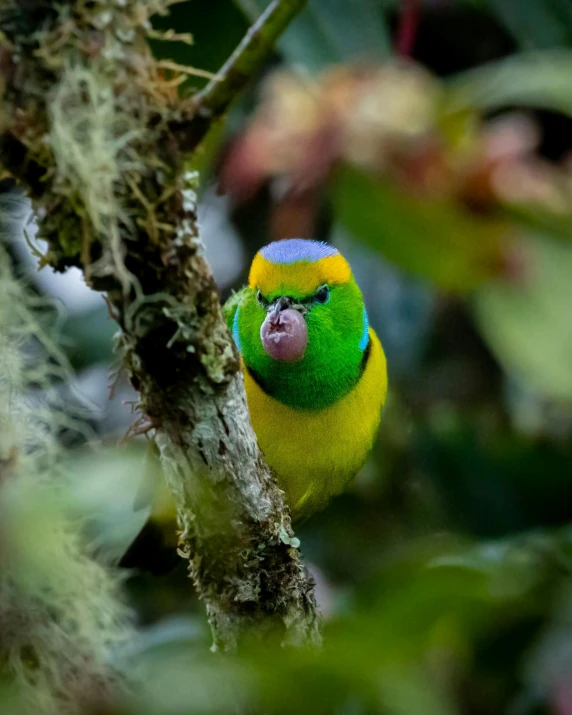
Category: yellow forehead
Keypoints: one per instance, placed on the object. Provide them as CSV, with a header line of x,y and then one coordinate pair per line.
x,y
300,278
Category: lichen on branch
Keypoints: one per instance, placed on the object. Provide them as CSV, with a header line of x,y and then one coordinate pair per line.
x,y
93,126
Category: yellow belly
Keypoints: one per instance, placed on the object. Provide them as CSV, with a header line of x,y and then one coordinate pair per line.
x,y
315,453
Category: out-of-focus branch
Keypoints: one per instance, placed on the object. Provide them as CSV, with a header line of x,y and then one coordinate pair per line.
x,y
93,127
249,56
408,25
234,75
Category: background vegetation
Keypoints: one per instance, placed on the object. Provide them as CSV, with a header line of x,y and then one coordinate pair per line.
x,y
444,574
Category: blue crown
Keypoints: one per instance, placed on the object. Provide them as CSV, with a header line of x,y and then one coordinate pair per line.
x,y
291,250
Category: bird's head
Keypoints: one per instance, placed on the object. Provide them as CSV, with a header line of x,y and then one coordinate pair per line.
x,y
302,327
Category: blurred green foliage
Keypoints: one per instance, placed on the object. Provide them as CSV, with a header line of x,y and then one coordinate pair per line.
x,y
428,237
445,572
525,322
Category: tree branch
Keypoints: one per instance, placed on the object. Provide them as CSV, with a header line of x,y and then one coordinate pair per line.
x,y
249,56
87,127
234,75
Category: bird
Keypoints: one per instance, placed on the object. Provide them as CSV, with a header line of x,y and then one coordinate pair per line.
x,y
314,371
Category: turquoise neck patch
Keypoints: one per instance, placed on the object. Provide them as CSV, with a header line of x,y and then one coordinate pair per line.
x,y
235,334
364,339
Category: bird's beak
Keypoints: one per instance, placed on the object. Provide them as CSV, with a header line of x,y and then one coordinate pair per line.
x,y
286,302
284,333
280,304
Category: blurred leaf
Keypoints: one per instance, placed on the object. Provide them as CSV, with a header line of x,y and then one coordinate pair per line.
x,y
177,630
428,237
536,79
103,493
495,487
528,323
539,219
330,31
539,80
12,700
549,664
88,337
406,692
420,614
181,678
536,23
400,308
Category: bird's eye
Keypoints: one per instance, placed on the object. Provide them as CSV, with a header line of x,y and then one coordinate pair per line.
x,y
261,299
322,295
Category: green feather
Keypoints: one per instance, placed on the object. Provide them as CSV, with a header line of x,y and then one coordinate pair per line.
x,y
333,361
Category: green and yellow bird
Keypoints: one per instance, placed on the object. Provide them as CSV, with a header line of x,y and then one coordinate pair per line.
x,y
314,370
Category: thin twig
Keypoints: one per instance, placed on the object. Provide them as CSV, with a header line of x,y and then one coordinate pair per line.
x,y
186,70
171,36
250,54
247,59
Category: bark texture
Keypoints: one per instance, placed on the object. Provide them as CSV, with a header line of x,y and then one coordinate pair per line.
x,y
93,126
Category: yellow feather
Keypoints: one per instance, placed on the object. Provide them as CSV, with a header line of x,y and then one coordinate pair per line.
x,y
296,278
315,453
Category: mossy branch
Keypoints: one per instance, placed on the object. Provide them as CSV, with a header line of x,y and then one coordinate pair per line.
x,y
93,126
